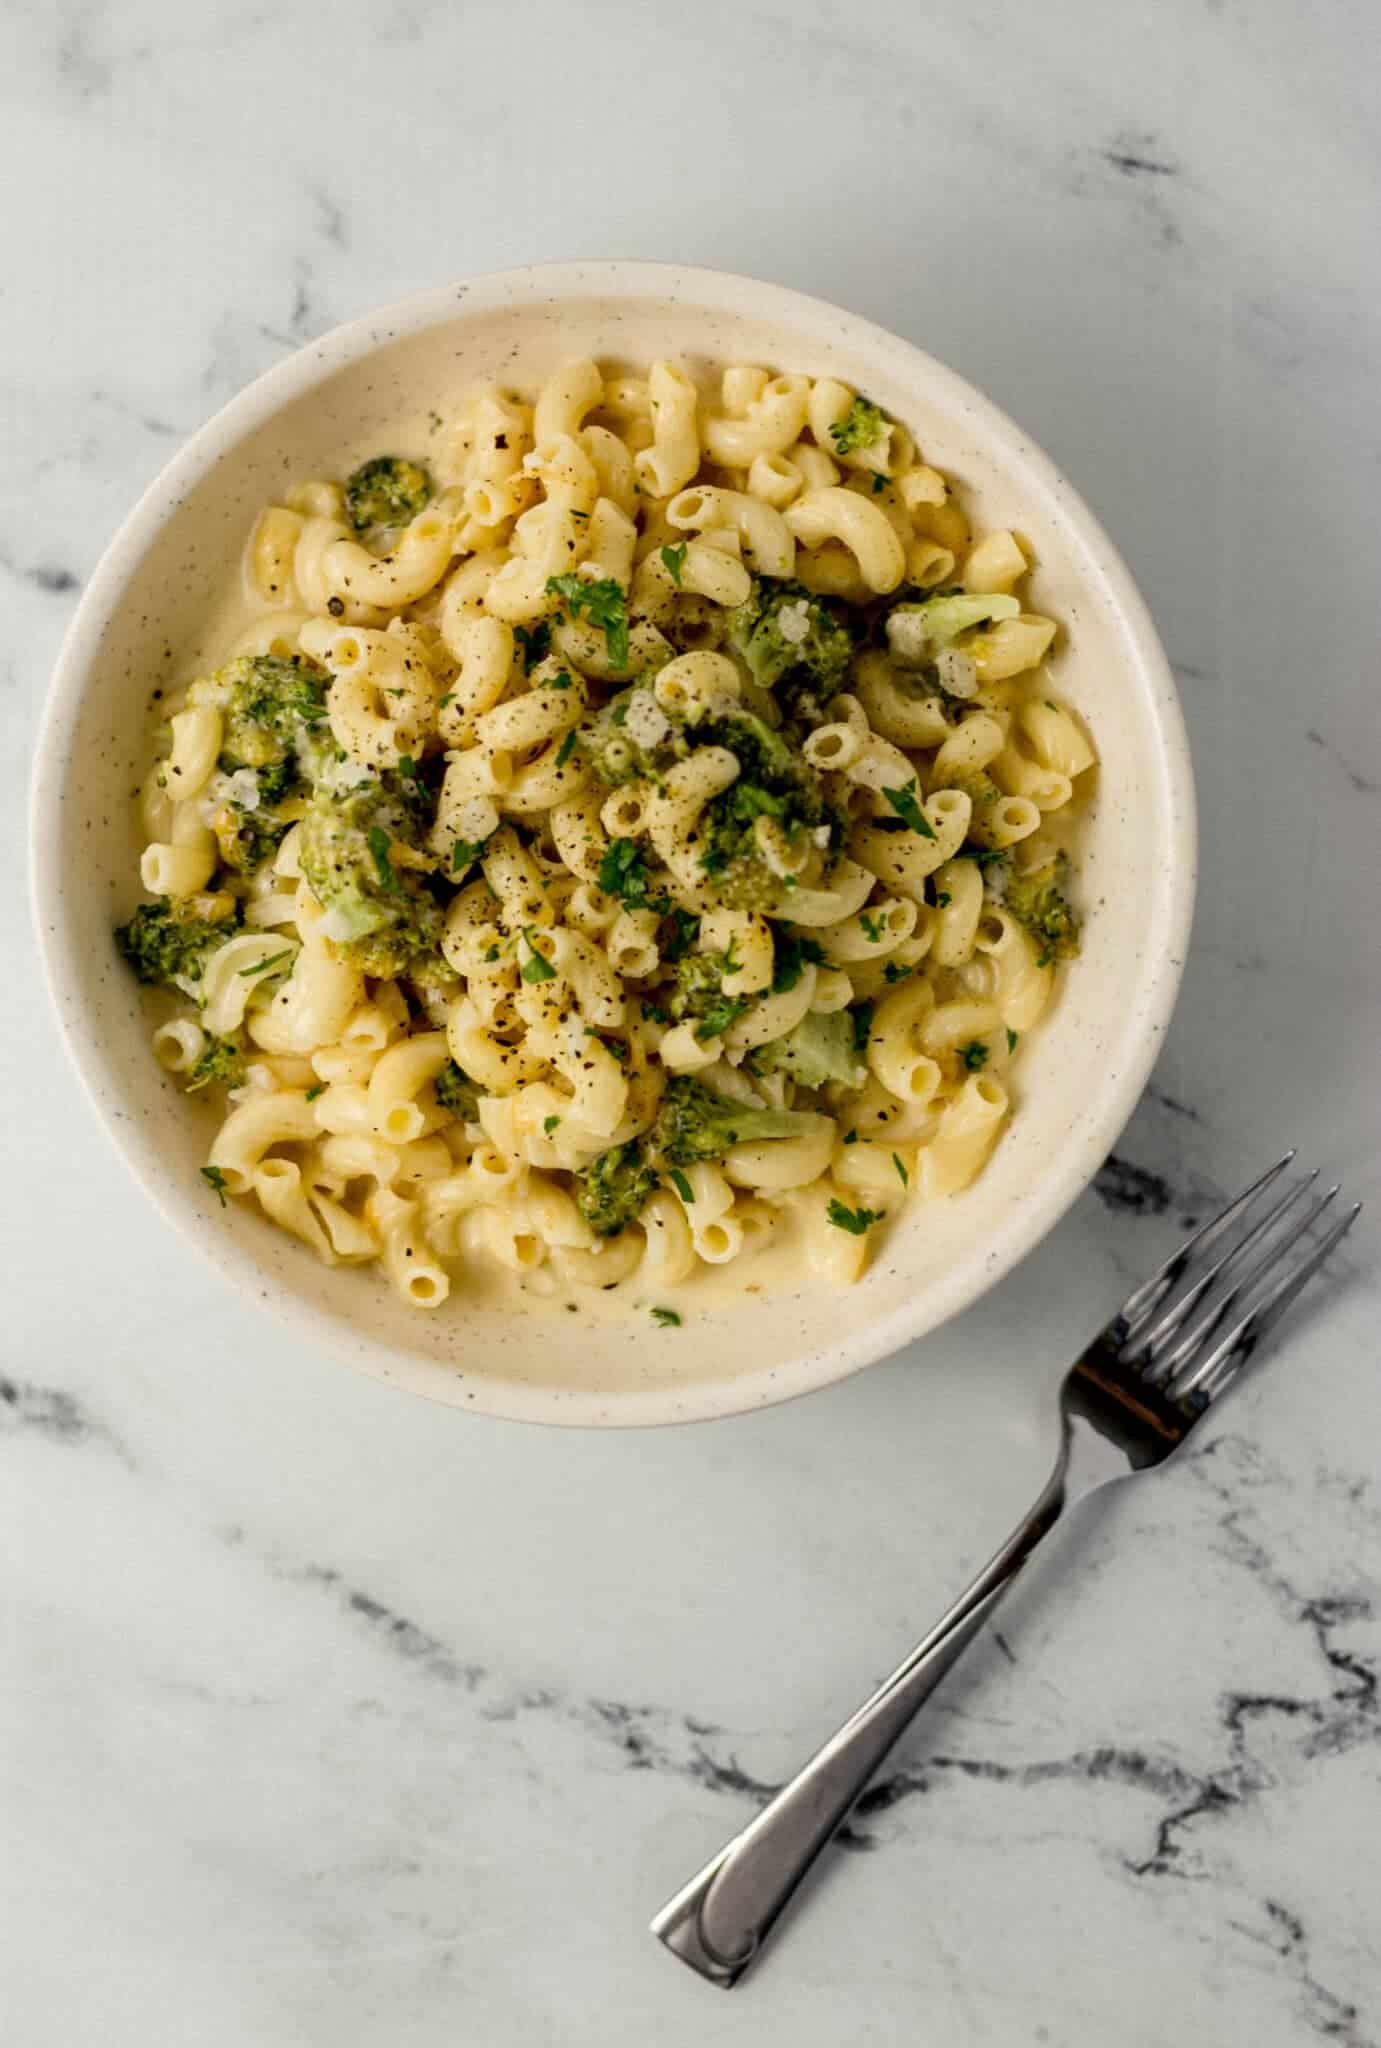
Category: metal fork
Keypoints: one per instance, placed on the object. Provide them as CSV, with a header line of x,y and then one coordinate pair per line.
x,y
1133,1397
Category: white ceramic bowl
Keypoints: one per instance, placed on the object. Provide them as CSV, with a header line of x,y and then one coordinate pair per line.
x,y
1078,1079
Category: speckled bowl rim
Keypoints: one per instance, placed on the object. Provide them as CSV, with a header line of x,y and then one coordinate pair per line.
x,y
1152,998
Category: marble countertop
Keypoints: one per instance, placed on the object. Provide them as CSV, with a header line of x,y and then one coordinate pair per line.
x,y
332,1717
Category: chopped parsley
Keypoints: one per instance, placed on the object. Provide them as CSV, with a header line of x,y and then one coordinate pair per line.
x,y
213,1177
1011,1039
550,1124
536,967
623,874
685,932
464,854
862,1014
267,966
312,1093
974,1055
560,681
219,1064
603,604
851,1137
681,1184
666,1318
566,749
379,845
892,972
855,1221
790,958
534,643
903,802
902,1175
673,561
873,927
719,1017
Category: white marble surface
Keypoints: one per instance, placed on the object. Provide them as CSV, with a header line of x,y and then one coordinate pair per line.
x,y
330,1717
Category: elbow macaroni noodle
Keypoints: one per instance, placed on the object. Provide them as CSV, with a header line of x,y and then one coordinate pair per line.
x,y
545,672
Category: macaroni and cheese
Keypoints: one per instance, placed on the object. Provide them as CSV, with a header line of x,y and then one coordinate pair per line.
x,y
629,829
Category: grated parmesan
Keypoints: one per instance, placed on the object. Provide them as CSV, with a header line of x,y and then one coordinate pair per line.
x,y
645,722
793,623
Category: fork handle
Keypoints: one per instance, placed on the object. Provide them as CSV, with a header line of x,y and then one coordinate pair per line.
x,y
718,1923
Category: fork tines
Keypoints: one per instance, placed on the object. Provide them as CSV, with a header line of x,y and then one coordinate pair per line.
x,y
1190,1329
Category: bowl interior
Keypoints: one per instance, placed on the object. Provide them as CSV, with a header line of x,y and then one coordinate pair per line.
x,y
1080,1075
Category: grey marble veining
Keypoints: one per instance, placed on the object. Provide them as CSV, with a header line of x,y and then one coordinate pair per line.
x,y
330,1717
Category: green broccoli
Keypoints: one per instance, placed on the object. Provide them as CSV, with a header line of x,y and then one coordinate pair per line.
x,y
916,633
862,425
765,755
219,1064
380,913
273,713
274,740
166,943
774,782
387,491
247,838
457,1092
695,1123
783,629
613,1189
818,1051
1037,901
700,993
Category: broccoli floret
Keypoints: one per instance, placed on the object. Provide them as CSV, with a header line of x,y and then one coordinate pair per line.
x,y
862,425
219,1064
457,1092
1038,902
387,491
380,913
247,838
274,718
613,1189
916,633
782,628
774,782
275,739
167,944
700,993
819,1050
765,757
694,1123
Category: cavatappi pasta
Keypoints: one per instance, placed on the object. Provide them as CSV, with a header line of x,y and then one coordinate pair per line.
x,y
629,828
